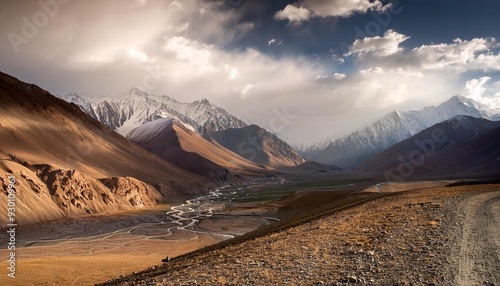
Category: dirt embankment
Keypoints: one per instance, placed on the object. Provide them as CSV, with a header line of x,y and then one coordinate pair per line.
x,y
432,236
45,193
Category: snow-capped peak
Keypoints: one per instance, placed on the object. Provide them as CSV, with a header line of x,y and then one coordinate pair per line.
x,y
135,107
74,98
136,91
151,129
395,127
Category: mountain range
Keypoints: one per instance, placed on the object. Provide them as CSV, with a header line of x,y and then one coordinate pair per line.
x,y
171,140
350,151
460,146
67,163
70,161
135,107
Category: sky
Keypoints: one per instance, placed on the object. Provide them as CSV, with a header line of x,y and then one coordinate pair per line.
x,y
307,69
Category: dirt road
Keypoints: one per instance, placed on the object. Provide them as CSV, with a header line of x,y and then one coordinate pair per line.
x,y
478,252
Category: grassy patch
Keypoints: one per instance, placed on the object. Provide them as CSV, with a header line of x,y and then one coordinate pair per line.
x,y
274,192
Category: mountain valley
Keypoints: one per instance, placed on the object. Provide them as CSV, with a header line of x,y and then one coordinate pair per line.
x,y
134,180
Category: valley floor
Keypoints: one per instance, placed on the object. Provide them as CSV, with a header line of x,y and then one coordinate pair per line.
x,y
88,250
428,236
95,248
92,249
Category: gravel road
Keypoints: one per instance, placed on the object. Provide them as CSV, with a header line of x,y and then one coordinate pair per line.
x,y
479,255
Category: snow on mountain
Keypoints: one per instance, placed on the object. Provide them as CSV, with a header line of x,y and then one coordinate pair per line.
x,y
151,129
74,98
169,139
309,151
450,155
135,107
349,151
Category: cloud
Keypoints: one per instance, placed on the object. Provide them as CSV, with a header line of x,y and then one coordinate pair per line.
x,y
380,88
379,46
136,54
339,76
188,50
106,51
246,90
336,76
305,10
460,56
482,91
176,4
181,28
342,8
246,26
475,88
293,14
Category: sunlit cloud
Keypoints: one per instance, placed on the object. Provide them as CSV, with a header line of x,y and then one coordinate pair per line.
x,y
307,9
293,14
185,49
459,56
483,91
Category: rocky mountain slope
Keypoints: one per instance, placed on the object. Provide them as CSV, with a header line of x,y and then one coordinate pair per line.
x,y
135,107
171,140
460,145
66,163
258,145
350,151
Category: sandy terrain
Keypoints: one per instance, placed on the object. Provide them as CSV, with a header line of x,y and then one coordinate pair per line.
x,y
87,250
405,238
86,263
92,249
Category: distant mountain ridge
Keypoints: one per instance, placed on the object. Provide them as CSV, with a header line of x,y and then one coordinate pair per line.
x,y
135,107
171,140
350,151
258,145
460,145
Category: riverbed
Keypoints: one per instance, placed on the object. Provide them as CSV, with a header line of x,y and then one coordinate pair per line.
x,y
93,248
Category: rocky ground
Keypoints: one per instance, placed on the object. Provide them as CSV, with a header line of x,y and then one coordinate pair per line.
x,y
417,237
